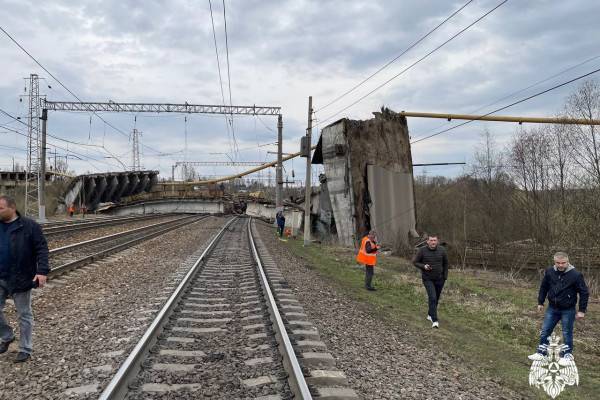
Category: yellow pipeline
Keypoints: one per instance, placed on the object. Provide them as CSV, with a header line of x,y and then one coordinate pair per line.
x,y
503,118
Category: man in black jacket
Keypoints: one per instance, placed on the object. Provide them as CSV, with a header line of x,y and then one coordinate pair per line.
x,y
432,260
560,285
23,266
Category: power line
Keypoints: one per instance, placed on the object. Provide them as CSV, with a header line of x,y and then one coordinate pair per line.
x,y
418,61
64,87
229,77
394,59
219,68
49,143
509,105
85,158
526,88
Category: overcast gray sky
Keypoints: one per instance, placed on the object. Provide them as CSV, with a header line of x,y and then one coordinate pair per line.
x,y
281,52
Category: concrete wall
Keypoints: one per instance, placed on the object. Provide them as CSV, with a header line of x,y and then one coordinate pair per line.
x,y
336,165
293,218
359,201
171,206
392,208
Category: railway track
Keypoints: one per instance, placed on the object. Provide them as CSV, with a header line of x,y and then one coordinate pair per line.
x,y
50,231
67,258
78,220
219,335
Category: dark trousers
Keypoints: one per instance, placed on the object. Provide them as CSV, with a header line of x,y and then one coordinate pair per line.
x,y
551,318
434,291
369,272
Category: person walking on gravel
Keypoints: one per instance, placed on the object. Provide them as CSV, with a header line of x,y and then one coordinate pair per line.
x,y
432,260
280,218
561,285
23,266
367,255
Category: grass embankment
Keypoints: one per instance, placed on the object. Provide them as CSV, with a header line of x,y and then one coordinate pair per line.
x,y
489,322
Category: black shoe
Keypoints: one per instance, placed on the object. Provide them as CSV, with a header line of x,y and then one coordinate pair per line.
x,y
371,288
4,345
22,357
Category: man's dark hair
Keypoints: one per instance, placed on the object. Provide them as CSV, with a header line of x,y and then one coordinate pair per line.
x,y
10,202
432,235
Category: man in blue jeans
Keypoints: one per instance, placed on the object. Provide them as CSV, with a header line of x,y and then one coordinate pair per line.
x,y
561,285
23,266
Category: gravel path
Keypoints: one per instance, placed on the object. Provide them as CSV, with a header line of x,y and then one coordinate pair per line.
x,y
88,321
381,361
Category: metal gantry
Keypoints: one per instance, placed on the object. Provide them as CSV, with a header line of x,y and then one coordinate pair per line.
x,y
185,108
112,106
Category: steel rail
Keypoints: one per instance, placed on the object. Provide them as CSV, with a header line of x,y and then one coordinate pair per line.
x,y
298,383
61,269
76,220
118,386
56,230
107,238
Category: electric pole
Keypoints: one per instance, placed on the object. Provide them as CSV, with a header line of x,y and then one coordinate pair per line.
x,y
279,169
135,164
308,183
33,149
42,172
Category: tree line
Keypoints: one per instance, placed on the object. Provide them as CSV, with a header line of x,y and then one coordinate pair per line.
x,y
542,188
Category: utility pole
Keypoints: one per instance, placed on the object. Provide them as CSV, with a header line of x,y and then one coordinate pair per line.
x,y
33,148
308,183
279,169
135,164
42,172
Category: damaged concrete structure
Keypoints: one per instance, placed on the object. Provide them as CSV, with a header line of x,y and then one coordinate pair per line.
x,y
368,179
91,190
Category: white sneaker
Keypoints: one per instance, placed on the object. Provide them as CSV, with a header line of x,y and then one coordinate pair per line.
x,y
566,359
429,318
435,325
536,357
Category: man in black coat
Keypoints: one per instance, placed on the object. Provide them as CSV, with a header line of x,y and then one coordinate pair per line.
x,y
432,260
561,285
23,266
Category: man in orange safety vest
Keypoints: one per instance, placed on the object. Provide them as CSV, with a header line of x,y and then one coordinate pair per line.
x,y
367,255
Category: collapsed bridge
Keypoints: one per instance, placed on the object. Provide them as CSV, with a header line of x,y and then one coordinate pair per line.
x,y
92,189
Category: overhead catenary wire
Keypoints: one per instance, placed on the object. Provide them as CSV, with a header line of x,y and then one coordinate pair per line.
x,y
85,158
229,76
220,75
508,106
67,140
525,88
422,38
50,143
64,86
416,62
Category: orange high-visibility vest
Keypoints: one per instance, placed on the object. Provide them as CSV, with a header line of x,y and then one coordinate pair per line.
x,y
363,257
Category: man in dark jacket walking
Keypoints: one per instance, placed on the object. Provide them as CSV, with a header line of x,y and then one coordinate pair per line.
x,y
432,260
23,266
561,285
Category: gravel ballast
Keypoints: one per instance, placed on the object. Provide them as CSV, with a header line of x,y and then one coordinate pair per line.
x,y
88,320
381,361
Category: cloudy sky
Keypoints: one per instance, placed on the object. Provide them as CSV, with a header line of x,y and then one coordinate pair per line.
x,y
281,52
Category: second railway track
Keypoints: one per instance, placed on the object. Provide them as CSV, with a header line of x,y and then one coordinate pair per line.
x,y
66,258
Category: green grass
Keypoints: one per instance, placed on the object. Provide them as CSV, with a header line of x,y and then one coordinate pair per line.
x,y
488,322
